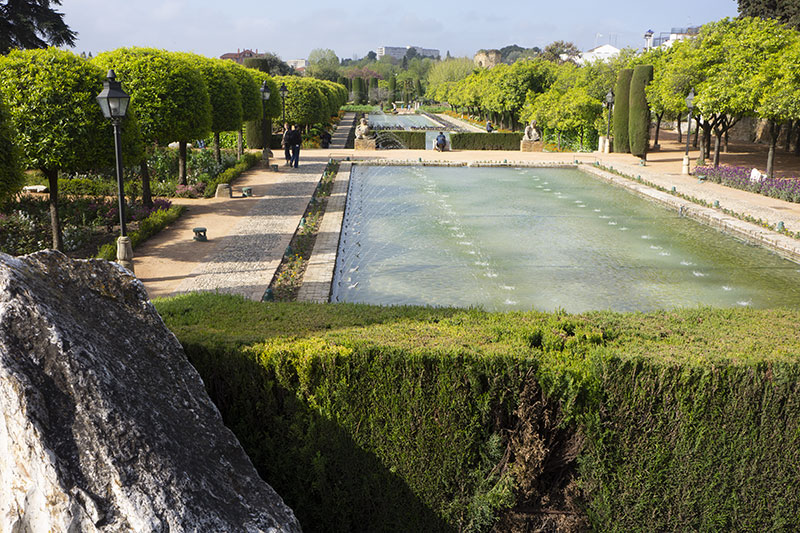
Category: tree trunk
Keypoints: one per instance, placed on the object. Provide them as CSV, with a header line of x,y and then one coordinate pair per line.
x,y
696,130
147,198
680,134
774,131
182,163
239,144
55,223
789,128
717,141
581,138
658,127
797,138
217,154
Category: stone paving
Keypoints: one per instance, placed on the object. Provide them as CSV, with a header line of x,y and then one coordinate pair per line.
x,y
246,259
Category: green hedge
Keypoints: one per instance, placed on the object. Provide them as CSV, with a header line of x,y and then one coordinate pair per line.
x,y
147,228
247,162
622,91
413,419
639,111
413,140
485,141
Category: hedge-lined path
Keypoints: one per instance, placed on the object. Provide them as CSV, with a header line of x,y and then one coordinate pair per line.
x,y
459,123
246,236
343,129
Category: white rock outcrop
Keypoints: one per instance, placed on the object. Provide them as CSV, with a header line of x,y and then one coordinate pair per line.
x,y
105,425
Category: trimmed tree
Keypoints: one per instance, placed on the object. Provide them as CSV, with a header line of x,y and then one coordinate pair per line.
x,y
621,105
392,89
254,129
305,103
639,111
169,95
51,95
11,177
250,91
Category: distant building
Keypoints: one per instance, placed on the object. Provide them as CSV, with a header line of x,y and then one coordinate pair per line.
x,y
603,53
667,39
487,58
297,64
240,55
399,52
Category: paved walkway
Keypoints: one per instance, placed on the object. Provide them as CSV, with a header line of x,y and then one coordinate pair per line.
x,y
339,138
246,236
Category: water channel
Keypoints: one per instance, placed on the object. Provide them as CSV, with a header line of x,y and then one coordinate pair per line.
x,y
505,238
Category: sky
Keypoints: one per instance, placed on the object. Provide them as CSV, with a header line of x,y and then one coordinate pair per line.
x,y
351,28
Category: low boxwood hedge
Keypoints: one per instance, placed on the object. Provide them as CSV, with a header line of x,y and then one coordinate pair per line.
x,y
148,227
247,162
412,140
485,141
415,419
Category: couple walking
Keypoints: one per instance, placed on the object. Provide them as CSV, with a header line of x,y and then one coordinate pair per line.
x,y
292,139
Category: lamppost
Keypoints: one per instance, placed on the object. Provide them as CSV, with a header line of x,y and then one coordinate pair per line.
x,y
609,105
284,91
114,104
689,104
264,130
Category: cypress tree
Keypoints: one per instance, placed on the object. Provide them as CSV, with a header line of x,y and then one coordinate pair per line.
x,y
639,111
621,105
392,89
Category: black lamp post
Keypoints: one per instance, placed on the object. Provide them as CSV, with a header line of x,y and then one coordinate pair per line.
x,y
264,130
609,105
690,105
284,91
114,104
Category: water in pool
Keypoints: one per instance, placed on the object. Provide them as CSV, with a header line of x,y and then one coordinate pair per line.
x,y
505,238
400,122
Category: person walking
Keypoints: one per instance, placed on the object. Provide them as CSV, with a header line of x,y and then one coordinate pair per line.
x,y
287,148
295,140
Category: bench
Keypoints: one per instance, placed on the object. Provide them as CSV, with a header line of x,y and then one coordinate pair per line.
x,y
200,234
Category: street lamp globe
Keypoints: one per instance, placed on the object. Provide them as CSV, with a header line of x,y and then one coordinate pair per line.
x,y
264,91
112,99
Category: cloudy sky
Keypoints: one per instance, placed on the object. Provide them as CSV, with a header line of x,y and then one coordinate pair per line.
x,y
354,27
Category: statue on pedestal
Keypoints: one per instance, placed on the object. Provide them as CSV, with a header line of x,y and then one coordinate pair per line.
x,y
531,133
362,130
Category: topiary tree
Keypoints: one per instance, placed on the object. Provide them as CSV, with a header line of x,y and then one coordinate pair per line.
x,y
621,105
59,127
11,177
305,103
224,95
250,90
169,95
639,111
392,89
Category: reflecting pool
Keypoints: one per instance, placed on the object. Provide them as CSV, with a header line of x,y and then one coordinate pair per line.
x,y
505,238
400,122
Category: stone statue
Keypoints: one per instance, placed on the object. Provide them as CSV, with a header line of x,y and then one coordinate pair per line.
x,y
362,130
531,133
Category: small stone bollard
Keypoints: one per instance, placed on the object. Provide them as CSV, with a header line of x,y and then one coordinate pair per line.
x,y
223,191
200,234
247,191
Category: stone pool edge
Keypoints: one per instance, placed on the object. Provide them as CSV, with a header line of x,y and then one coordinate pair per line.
x,y
783,245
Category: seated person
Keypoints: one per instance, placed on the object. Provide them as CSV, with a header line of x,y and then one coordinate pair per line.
x,y
325,139
441,142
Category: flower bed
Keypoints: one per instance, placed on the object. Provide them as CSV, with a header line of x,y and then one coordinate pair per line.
x,y
739,177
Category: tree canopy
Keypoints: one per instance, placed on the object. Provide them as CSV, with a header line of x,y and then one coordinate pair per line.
x,y
785,11
11,177
29,24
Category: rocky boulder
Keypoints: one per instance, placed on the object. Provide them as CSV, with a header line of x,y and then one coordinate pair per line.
x,y
105,425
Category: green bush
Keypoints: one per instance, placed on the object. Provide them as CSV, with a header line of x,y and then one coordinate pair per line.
x,y
413,419
247,162
412,140
639,110
621,107
148,227
485,141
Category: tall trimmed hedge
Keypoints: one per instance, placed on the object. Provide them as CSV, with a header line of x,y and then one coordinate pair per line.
x,y
413,419
621,110
639,110
359,91
11,177
485,141
392,89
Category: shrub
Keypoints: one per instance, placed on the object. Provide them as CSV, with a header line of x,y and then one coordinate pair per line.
x,y
227,176
485,141
739,177
639,111
155,222
412,140
621,107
